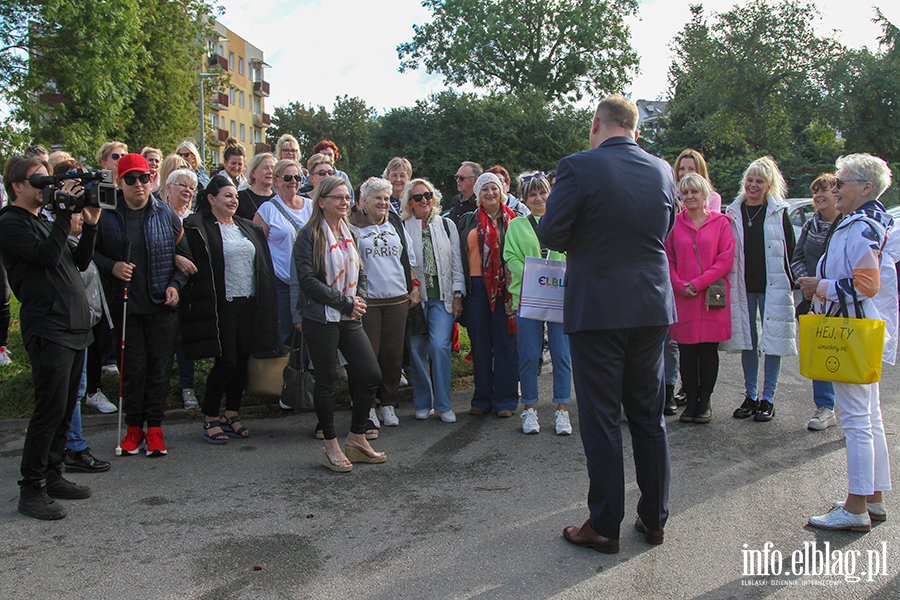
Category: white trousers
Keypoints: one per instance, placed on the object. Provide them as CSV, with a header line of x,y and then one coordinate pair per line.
x,y
868,468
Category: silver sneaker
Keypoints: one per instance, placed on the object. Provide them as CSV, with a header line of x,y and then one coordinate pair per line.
x,y
823,419
448,416
387,416
530,421
373,418
839,519
563,425
189,399
99,401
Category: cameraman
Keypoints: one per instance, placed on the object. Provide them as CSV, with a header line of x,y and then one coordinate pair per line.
x,y
56,328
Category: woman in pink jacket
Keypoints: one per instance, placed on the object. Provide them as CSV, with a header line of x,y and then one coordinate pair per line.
x,y
701,251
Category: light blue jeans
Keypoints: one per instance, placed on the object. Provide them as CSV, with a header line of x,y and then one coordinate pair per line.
x,y
431,384
823,393
750,358
530,343
671,356
74,438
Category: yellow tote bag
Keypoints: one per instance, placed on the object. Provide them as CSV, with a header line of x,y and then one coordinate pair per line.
x,y
847,350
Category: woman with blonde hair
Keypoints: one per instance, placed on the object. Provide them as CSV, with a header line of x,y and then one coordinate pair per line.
x,y
153,156
188,151
260,176
439,273
333,297
169,165
760,283
398,171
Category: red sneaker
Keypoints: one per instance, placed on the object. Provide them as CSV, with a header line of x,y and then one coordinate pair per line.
x,y
155,446
134,438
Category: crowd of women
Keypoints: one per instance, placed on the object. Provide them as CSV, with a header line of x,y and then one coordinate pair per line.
x,y
277,248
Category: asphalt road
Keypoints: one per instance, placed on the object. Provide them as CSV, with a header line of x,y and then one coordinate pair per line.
x,y
473,509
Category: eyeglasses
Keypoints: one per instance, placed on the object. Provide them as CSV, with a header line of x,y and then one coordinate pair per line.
x,y
116,156
289,151
461,178
130,179
324,173
184,155
340,198
423,196
297,178
537,175
184,185
839,183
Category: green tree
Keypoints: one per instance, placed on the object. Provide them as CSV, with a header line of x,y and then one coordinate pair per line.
x,y
347,125
753,83
559,48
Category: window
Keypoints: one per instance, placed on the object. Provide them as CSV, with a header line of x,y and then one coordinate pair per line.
x,y
256,106
257,74
231,95
233,129
241,65
215,157
257,136
231,60
243,133
241,97
215,121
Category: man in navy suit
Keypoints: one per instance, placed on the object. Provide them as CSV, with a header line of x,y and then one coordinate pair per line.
x,y
611,209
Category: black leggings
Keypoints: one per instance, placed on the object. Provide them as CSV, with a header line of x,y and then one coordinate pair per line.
x,y
364,375
228,377
699,367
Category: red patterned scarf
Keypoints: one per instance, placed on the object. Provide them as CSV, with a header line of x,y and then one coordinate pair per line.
x,y
493,268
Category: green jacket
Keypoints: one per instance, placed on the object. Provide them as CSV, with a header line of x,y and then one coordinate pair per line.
x,y
522,241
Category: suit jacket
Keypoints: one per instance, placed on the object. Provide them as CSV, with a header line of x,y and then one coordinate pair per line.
x,y
611,210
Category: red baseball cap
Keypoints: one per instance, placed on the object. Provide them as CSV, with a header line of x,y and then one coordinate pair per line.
x,y
132,162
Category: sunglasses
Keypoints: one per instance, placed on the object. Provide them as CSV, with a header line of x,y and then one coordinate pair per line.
x,y
297,178
461,178
185,155
130,179
424,196
324,173
537,175
116,156
839,183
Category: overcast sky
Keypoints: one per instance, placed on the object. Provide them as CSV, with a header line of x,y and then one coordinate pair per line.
x,y
320,49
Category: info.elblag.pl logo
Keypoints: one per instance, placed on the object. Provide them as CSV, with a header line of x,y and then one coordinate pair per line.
x,y
816,563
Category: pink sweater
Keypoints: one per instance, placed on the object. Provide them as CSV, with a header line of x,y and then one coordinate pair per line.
x,y
696,323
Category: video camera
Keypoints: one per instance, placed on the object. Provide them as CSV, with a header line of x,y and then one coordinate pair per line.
x,y
98,190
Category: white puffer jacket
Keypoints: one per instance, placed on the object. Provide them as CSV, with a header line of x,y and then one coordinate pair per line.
x,y
779,328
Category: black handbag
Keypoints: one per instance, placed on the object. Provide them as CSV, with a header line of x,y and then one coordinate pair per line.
x,y
416,322
299,383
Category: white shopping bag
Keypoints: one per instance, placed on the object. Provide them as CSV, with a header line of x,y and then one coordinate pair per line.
x,y
543,289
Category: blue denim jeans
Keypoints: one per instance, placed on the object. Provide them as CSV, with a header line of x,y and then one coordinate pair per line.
x,y
494,358
823,393
431,384
750,358
530,342
74,438
671,357
285,321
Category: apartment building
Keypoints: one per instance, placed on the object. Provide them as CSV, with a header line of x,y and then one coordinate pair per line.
x,y
238,110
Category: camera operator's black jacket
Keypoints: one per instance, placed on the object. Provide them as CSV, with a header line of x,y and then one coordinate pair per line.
x,y
44,275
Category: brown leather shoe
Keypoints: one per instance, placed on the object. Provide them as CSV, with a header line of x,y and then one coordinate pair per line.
x,y
652,537
476,411
588,538
505,414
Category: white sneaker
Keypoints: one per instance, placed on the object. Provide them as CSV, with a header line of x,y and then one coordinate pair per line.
x,y
189,399
386,413
373,418
448,416
839,519
284,406
4,357
109,370
99,401
403,381
877,511
823,419
563,425
424,413
530,421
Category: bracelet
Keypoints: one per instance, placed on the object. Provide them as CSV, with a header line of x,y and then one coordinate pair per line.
x,y
415,283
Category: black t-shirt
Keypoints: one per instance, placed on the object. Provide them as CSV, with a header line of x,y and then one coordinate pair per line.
x,y
755,276
249,202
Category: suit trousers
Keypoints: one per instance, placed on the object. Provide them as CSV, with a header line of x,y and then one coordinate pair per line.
x,y
616,369
56,372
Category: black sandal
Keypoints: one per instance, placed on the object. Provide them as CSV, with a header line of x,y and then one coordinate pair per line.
x,y
216,438
227,426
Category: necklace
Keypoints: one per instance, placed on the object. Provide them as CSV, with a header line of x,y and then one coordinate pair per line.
x,y
749,218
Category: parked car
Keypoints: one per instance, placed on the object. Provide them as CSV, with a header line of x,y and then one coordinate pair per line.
x,y
800,210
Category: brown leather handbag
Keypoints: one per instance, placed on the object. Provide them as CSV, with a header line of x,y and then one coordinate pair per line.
x,y
716,295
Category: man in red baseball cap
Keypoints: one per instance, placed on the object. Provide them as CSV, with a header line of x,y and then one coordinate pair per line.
x,y
136,247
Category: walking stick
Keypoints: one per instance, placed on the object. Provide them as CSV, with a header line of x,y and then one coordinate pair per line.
x,y
122,355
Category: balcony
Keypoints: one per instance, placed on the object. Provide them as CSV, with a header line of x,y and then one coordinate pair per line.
x,y
262,120
216,59
261,88
222,135
260,148
220,101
